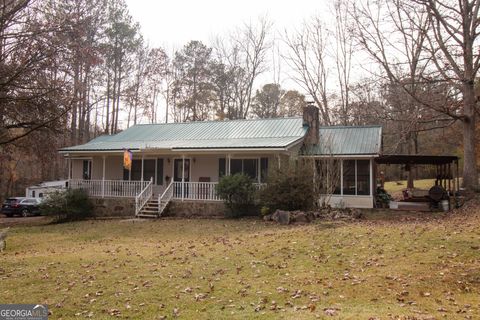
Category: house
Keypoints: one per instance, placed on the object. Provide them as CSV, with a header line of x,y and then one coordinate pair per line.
x,y
42,189
181,163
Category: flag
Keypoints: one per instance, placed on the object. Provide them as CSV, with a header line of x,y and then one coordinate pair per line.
x,y
127,159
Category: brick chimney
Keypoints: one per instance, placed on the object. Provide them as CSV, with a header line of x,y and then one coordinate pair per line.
x,y
311,119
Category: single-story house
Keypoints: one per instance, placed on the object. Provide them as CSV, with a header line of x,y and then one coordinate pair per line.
x,y
183,162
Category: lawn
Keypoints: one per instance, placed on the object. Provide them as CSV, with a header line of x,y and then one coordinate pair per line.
x,y
395,186
400,268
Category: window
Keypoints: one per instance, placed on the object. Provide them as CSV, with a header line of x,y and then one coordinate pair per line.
x,y
222,167
329,175
148,170
356,177
87,170
40,195
248,167
33,193
136,173
236,166
363,177
349,177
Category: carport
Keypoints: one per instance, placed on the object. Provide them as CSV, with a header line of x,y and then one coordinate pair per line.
x,y
447,176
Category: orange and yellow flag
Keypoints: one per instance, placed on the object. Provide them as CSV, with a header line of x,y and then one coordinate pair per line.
x,y
127,159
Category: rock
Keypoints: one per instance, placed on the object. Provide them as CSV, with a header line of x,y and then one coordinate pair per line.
x,y
356,214
282,217
299,216
267,217
310,216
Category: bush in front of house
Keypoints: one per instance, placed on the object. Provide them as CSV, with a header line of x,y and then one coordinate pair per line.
x,y
289,188
67,205
238,193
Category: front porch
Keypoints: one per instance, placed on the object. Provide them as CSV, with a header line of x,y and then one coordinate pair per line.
x,y
205,191
156,179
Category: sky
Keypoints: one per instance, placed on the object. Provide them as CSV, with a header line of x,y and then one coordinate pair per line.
x,y
174,23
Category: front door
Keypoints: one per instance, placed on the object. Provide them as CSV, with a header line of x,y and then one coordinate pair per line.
x,y
177,177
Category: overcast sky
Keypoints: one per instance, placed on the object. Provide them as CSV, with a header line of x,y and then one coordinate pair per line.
x,y
174,23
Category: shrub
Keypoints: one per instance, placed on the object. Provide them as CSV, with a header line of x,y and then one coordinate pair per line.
x,y
238,192
264,211
67,205
289,188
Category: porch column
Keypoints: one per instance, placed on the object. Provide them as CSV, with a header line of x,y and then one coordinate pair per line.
x,y
228,164
103,176
371,179
141,179
183,176
69,168
341,177
259,170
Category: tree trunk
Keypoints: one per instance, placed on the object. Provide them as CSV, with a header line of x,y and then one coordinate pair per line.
x,y
107,116
470,172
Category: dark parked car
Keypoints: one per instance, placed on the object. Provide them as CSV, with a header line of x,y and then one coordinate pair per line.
x,y
21,206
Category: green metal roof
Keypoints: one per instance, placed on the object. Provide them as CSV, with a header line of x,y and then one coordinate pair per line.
x,y
234,134
347,140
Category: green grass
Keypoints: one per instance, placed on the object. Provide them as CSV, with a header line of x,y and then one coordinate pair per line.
x,y
247,269
395,186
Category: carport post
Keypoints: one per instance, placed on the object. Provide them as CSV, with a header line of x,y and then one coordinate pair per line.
x,y
103,177
458,176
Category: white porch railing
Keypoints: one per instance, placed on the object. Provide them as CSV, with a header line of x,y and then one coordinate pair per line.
x,y
109,188
201,191
195,191
206,191
142,198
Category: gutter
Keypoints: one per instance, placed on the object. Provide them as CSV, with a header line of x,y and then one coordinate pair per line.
x,y
352,156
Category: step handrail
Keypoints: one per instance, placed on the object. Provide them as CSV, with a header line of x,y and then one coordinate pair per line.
x,y
165,196
142,198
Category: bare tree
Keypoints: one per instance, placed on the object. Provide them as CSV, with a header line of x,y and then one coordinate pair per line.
x,y
244,58
427,44
343,55
454,47
308,59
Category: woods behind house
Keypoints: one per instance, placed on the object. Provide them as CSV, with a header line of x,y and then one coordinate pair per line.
x,y
72,70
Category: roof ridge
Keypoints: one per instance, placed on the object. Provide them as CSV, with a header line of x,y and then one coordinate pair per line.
x,y
244,138
215,121
343,127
